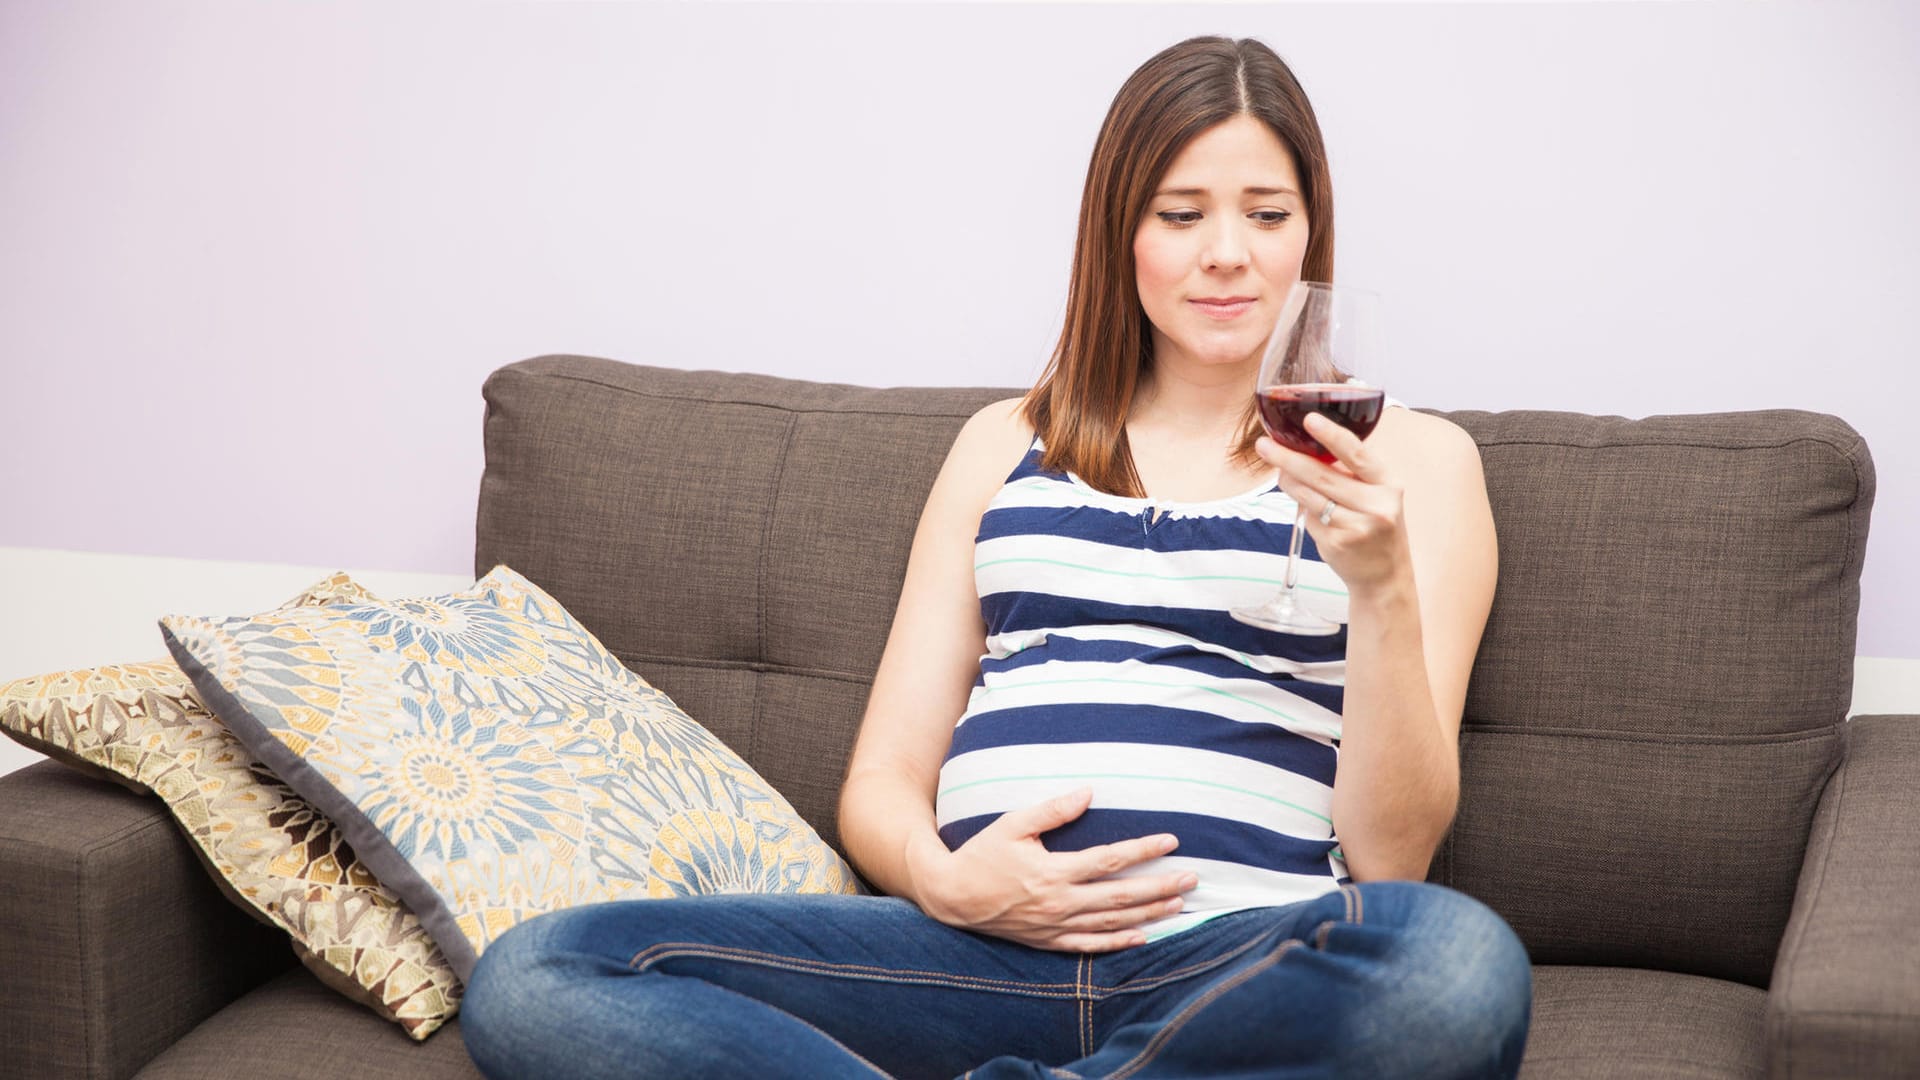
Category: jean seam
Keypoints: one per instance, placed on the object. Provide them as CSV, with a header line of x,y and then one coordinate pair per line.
x,y
1354,913
1085,977
669,950
1320,935
1172,1027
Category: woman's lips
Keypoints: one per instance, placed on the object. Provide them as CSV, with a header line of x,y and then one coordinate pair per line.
x,y
1222,311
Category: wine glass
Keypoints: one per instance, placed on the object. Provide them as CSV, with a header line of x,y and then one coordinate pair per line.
x,y
1326,341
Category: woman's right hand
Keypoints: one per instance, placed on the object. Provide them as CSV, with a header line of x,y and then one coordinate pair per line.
x,y
1003,881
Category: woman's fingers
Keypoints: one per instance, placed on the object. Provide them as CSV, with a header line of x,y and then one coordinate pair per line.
x,y
1359,485
1346,447
1106,860
1110,919
1112,904
1309,481
1114,927
1062,900
1028,821
1095,943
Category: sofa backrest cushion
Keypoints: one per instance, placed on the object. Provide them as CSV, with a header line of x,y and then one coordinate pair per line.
x,y
1656,703
1652,717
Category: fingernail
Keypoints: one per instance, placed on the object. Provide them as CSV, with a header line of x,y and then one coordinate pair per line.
x,y
1173,905
1168,843
1189,881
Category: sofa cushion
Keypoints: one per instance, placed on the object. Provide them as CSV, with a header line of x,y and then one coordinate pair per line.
x,y
112,940
292,1027
1588,1024
144,726
1657,700
1597,1023
490,760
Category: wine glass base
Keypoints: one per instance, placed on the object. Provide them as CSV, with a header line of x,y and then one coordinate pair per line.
x,y
1285,621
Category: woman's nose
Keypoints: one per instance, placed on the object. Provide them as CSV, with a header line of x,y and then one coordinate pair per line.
x,y
1226,247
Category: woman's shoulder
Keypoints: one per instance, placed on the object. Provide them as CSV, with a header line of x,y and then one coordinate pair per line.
x,y
1426,443
989,447
996,437
1425,431
1006,418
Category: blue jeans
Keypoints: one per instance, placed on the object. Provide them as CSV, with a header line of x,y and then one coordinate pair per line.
x,y
1382,979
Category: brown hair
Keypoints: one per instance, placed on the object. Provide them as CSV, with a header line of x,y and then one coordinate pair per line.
x,y
1079,408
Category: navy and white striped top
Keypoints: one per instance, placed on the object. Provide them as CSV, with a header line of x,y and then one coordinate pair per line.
x,y
1111,662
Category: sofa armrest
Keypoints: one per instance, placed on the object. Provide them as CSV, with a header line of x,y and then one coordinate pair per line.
x,y
1845,994
113,940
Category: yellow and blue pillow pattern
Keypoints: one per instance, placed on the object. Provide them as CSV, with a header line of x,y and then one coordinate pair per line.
x,y
490,760
143,726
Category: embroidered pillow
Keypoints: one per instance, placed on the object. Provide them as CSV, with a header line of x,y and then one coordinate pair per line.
x,y
143,726
490,760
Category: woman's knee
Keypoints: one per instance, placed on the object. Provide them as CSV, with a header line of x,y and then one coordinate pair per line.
x,y
526,986
504,994
1463,976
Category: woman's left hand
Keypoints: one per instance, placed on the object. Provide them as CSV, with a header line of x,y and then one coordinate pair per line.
x,y
1364,540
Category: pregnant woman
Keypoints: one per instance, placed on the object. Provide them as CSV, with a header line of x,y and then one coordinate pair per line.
x,y
1120,833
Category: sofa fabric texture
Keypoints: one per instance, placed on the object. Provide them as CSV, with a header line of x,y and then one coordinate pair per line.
x,y
1710,864
1668,658
113,940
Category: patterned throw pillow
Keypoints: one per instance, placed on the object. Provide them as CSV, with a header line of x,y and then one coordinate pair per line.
x,y
143,726
490,760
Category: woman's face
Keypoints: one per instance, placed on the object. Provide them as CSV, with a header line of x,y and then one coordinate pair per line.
x,y
1227,223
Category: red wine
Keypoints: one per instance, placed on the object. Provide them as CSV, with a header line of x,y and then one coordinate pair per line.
x,y
1284,409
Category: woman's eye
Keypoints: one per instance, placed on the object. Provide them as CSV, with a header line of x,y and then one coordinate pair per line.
x,y
1187,217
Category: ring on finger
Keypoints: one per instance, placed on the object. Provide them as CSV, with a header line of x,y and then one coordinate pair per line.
x,y
1326,512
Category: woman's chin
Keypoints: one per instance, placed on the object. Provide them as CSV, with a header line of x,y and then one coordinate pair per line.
x,y
1222,348
1226,354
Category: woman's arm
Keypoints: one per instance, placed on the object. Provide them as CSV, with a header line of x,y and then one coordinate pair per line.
x,y
1413,538
932,654
1003,881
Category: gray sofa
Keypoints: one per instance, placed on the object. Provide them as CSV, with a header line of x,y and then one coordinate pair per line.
x,y
1717,873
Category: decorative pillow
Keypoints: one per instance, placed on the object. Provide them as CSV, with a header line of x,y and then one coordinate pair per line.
x,y
490,760
143,726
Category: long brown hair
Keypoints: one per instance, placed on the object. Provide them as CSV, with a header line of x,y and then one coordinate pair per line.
x,y
1080,406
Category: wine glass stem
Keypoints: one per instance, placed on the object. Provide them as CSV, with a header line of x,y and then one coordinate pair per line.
x,y
1293,550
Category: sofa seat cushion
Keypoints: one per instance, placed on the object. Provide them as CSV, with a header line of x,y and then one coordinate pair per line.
x,y
1589,1023
293,1027
1602,1023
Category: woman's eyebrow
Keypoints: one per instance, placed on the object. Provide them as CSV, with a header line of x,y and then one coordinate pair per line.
x,y
1244,191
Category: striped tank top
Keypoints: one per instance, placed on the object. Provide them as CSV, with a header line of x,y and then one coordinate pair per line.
x,y
1112,663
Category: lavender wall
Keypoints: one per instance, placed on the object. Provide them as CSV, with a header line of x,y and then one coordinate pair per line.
x,y
256,258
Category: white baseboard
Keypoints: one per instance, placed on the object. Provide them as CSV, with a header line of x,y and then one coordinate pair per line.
x,y
67,609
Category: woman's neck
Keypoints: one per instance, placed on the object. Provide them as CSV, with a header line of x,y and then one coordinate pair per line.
x,y
1208,403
